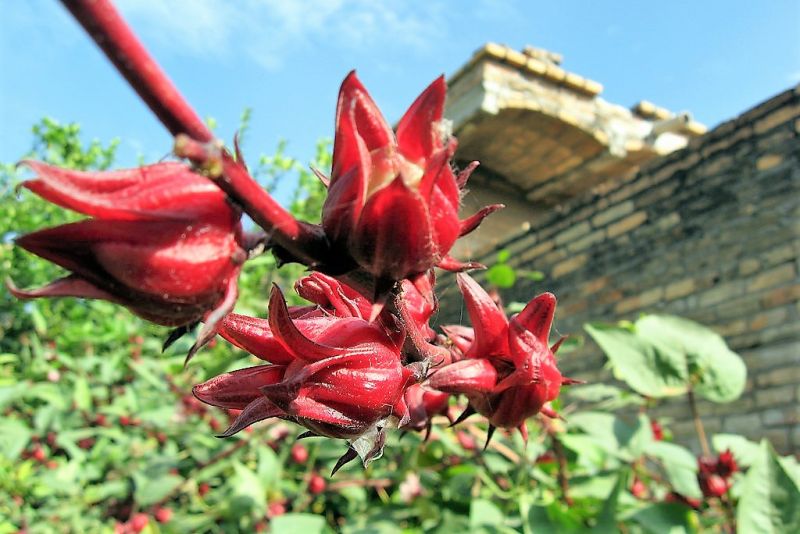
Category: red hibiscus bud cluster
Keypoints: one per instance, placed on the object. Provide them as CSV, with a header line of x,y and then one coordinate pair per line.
x,y
361,357
506,367
161,240
381,178
715,474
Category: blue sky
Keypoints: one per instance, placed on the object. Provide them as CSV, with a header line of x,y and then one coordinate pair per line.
x,y
285,59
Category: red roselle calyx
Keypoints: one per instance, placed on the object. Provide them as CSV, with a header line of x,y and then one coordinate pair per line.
x,y
339,377
508,372
393,199
715,474
162,241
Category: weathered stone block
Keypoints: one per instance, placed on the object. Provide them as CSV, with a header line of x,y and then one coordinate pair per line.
x,y
768,161
612,213
772,277
569,265
776,118
679,289
776,396
572,233
780,376
627,224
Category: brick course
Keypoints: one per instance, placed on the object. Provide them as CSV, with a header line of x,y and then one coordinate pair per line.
x,y
710,232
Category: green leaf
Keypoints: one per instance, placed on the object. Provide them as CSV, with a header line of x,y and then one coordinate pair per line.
x,y
248,491
484,513
744,450
680,466
664,518
151,490
501,275
611,433
536,276
607,397
639,363
14,436
503,255
82,394
294,523
770,499
721,372
607,521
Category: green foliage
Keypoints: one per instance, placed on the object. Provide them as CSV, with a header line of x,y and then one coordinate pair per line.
x,y
504,276
664,356
99,425
770,499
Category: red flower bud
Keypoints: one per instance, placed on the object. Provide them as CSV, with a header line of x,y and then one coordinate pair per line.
x,y
138,522
337,376
714,473
393,199
163,515
316,484
423,404
466,441
658,431
299,453
508,372
162,241
274,509
638,489
410,488
38,454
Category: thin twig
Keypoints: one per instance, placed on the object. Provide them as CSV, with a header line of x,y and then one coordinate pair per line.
x,y
360,483
563,477
698,424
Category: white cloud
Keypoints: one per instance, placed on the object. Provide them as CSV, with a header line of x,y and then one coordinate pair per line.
x,y
266,30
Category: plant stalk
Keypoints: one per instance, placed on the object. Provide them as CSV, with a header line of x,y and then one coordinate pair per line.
x,y
105,25
302,242
698,424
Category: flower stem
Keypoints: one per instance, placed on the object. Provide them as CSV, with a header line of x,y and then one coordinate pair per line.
x,y
115,38
563,477
698,423
301,241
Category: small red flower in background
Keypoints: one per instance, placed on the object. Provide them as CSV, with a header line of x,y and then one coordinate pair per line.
x,y
508,373
299,454
658,431
393,199
714,474
162,241
316,484
638,489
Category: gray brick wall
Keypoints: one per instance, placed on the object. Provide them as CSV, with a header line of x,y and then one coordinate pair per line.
x,y
710,232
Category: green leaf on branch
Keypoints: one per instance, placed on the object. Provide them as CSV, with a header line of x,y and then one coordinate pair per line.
x,y
501,275
720,373
680,466
638,363
483,513
663,356
150,490
249,493
293,523
14,436
607,521
770,499
664,518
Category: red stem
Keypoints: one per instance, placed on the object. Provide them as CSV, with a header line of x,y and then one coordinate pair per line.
x,y
304,242
104,24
